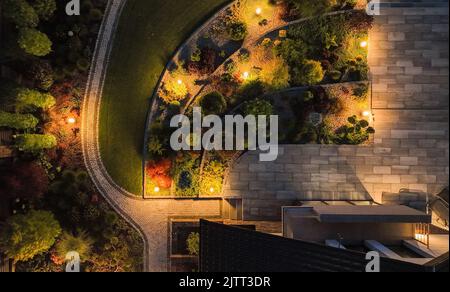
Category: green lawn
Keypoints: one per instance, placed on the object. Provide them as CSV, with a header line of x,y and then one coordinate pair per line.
x,y
147,36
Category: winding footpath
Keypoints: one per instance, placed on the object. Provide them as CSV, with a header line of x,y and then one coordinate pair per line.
x,y
151,218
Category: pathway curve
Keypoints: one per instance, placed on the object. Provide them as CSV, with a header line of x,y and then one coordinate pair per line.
x,y
151,218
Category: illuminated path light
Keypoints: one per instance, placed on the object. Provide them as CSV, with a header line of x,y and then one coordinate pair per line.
x,y
71,121
258,11
363,44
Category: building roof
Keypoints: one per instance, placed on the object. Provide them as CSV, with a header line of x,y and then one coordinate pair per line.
x,y
366,214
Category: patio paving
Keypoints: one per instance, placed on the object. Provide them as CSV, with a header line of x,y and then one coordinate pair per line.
x,y
409,61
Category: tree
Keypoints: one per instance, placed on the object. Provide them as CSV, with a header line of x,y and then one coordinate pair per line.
x,y
34,42
44,8
213,103
237,30
34,143
18,121
29,99
20,13
25,236
80,243
24,180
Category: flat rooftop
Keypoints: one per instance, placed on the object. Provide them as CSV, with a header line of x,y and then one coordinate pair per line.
x,y
363,214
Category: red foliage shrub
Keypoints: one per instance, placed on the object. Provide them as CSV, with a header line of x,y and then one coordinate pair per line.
x,y
23,180
207,63
159,172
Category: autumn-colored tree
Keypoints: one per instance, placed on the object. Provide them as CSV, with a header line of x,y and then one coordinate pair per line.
x,y
24,180
159,173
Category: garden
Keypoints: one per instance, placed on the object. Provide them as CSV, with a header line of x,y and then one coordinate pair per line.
x,y
305,61
52,205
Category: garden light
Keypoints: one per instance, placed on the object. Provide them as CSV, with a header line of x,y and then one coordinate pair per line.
x,y
363,44
156,189
71,121
258,11
180,81
211,190
246,75
367,114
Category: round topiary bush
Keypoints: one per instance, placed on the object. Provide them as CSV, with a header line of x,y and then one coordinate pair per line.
x,y
83,64
213,103
310,73
237,31
258,107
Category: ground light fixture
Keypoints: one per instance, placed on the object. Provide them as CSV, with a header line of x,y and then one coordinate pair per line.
x,y
258,11
71,120
180,81
366,114
211,190
245,75
363,44
156,189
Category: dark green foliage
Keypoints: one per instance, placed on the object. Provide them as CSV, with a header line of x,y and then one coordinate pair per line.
x,y
158,145
44,8
237,30
251,90
20,13
308,8
41,73
357,132
361,91
310,73
213,103
193,244
258,107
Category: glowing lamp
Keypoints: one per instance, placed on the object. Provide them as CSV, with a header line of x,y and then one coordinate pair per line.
x,y
366,114
246,75
258,11
363,44
71,121
211,190
156,189
180,81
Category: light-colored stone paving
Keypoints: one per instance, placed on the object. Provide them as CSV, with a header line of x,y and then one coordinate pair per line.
x,y
149,217
409,62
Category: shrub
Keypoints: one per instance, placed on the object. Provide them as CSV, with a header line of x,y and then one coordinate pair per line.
x,y
310,73
157,145
308,96
213,103
34,143
206,63
95,15
237,30
231,67
44,8
212,177
159,173
83,64
193,244
29,99
20,13
357,132
258,107
335,75
172,92
275,73
18,121
244,56
309,8
252,89
24,180
26,236
41,73
196,55
80,243
361,91
34,42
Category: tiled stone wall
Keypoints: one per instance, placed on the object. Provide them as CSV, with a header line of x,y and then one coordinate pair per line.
x,y
409,62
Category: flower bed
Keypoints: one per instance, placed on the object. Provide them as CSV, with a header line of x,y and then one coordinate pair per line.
x,y
311,72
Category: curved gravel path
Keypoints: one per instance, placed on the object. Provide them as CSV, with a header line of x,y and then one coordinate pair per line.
x,y
150,218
